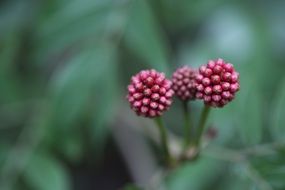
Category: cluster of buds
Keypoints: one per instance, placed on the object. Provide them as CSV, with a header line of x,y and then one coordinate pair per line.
x,y
150,93
217,83
184,84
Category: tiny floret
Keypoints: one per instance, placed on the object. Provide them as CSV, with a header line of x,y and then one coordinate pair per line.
x,y
217,83
184,83
150,93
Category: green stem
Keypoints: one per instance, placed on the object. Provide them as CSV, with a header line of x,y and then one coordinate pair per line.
x,y
164,140
187,125
201,126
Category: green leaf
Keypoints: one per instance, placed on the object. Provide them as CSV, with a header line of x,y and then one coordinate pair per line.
x,y
71,146
45,173
271,168
8,79
278,113
86,90
194,175
249,109
4,150
144,37
74,86
75,22
235,179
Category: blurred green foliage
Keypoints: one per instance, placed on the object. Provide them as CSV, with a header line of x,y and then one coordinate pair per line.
x,y
65,64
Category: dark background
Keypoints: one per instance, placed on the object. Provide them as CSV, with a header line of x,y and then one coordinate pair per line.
x,y
64,68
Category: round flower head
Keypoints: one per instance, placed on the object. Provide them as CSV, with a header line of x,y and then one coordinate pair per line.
x,y
150,93
217,83
184,84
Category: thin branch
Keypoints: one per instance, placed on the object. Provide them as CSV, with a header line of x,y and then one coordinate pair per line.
x,y
264,149
223,154
254,175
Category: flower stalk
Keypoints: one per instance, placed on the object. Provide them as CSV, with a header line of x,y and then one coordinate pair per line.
x,y
187,125
202,124
164,141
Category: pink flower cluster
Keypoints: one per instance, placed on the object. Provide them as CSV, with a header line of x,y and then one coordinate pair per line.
x,y
150,93
217,83
184,83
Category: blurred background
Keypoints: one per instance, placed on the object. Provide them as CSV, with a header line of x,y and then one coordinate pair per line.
x,y
64,68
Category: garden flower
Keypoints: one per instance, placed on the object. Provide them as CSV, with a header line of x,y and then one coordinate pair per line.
x,y
217,83
184,84
150,93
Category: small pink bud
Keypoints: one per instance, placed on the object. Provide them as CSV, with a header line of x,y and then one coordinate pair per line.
x,y
226,86
186,81
149,81
208,90
155,96
169,94
144,109
202,69
153,73
155,88
162,100
199,95
226,94
227,76
220,61
208,72
139,86
229,67
168,102
216,98
211,64
218,69
234,77
153,105
206,81
207,98
146,101
167,84
137,104
215,79
131,89
135,79
234,87
183,88
200,87
147,92
161,107
131,99
199,78
138,96
162,91
143,75
217,89
159,80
